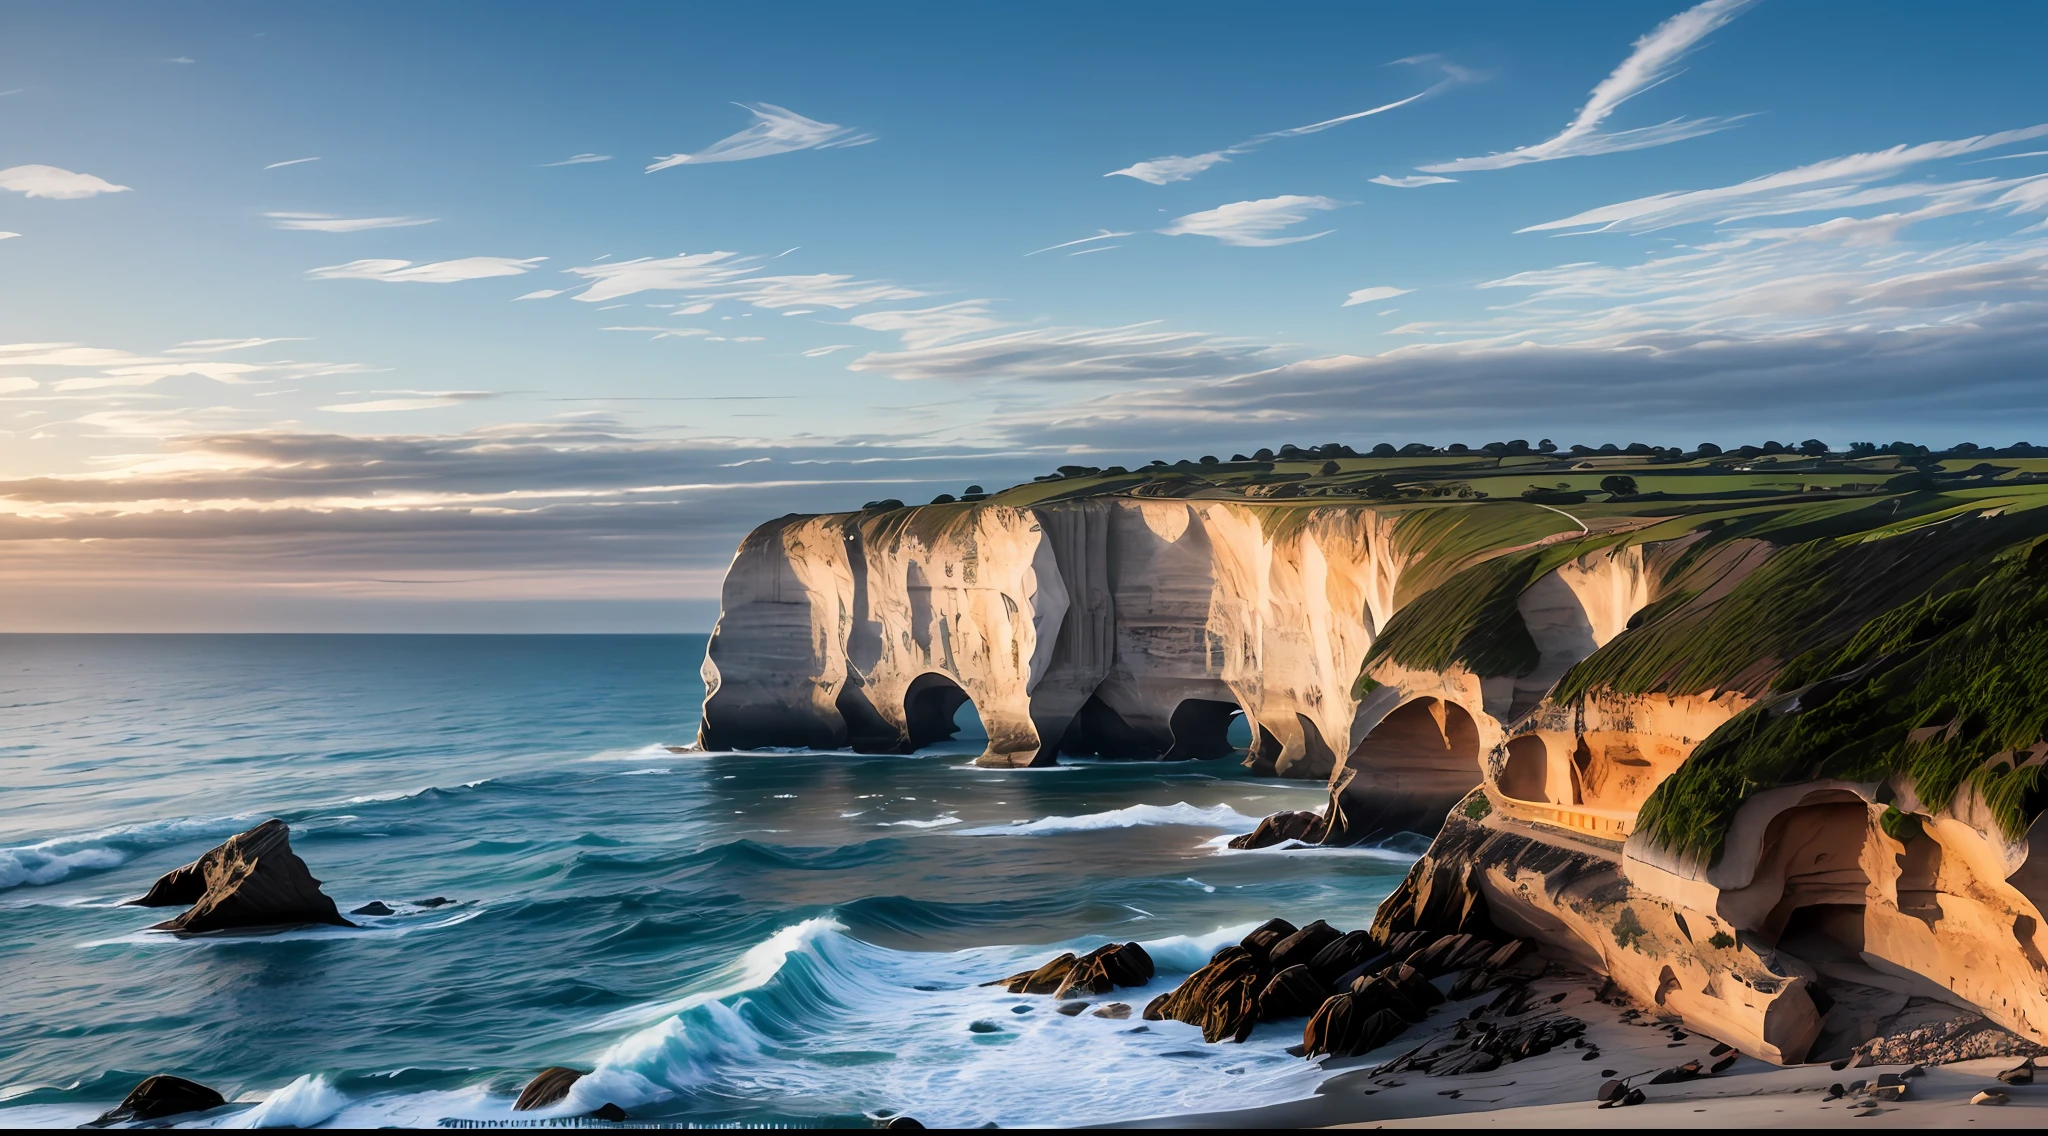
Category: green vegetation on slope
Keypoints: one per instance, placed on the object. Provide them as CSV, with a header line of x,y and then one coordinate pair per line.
x,y
1944,686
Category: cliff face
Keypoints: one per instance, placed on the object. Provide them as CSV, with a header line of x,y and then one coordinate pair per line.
x,y
1777,767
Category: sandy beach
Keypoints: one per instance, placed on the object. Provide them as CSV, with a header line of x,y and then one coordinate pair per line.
x,y
1558,1089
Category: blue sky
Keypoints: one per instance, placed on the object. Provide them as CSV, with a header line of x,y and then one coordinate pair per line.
x,y
509,316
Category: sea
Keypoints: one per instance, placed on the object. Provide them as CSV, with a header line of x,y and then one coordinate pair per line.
x,y
723,939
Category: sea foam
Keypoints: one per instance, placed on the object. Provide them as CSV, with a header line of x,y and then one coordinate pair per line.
x,y
1181,813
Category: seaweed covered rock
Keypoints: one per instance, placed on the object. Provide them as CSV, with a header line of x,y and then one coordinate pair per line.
x,y
157,1097
251,880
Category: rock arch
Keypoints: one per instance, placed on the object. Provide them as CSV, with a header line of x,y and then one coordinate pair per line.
x,y
1406,773
930,705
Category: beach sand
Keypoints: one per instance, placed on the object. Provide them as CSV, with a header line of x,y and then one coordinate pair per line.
x,y
1558,1089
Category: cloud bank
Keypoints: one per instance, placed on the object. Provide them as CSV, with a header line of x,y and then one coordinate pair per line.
x,y
54,183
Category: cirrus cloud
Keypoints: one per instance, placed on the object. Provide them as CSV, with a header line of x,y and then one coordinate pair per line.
x,y
438,272
776,130
1249,224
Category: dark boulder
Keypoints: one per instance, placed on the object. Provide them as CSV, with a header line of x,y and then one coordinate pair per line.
x,y
1128,965
1115,1011
1342,1027
1408,942
1302,946
1281,828
160,1096
1045,979
1292,993
1437,957
1686,1072
374,907
1418,988
548,1087
1222,997
1086,976
1348,953
608,1111
1155,1010
252,879
1380,992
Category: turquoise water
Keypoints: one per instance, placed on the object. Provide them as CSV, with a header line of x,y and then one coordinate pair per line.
x,y
788,937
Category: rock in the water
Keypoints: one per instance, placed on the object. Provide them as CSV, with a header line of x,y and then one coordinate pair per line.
x,y
374,907
1222,997
1086,976
1155,1010
252,880
548,1086
907,1123
1302,946
1990,1096
159,1096
2021,1074
1071,1009
1292,993
1686,1072
1281,828
1115,1011
1045,979
1349,952
1265,937
608,1111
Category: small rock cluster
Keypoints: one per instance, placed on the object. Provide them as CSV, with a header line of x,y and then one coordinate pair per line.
x,y
1097,972
1357,992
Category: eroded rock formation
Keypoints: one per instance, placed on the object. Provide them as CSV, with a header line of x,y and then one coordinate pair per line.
x,y
1775,766
251,880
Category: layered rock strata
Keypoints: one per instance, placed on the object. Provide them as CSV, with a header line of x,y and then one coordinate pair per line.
x,y
1775,769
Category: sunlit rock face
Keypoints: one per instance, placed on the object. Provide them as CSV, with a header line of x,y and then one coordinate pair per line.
x,y
1527,695
1124,627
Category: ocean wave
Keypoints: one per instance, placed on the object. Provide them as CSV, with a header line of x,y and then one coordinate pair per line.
x,y
367,927
47,862
1397,849
1181,813
305,1103
786,1020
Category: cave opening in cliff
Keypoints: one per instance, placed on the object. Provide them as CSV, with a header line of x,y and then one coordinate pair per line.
x,y
1526,775
1205,728
1406,773
935,710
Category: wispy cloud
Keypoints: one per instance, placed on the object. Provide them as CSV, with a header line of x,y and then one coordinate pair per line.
x,y
329,223
1104,235
1654,60
1175,167
713,276
438,272
1250,224
1413,182
217,346
928,327
1370,295
292,162
577,160
1831,184
419,400
5,236
55,183
776,130
1068,354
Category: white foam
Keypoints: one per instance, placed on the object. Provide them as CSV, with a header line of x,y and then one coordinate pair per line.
x,y
380,929
1181,813
937,822
1392,851
305,1103
47,862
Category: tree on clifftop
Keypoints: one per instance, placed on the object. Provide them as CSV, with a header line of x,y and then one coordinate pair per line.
x,y
1620,485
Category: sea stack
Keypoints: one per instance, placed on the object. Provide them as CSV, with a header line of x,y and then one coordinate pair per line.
x,y
252,879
